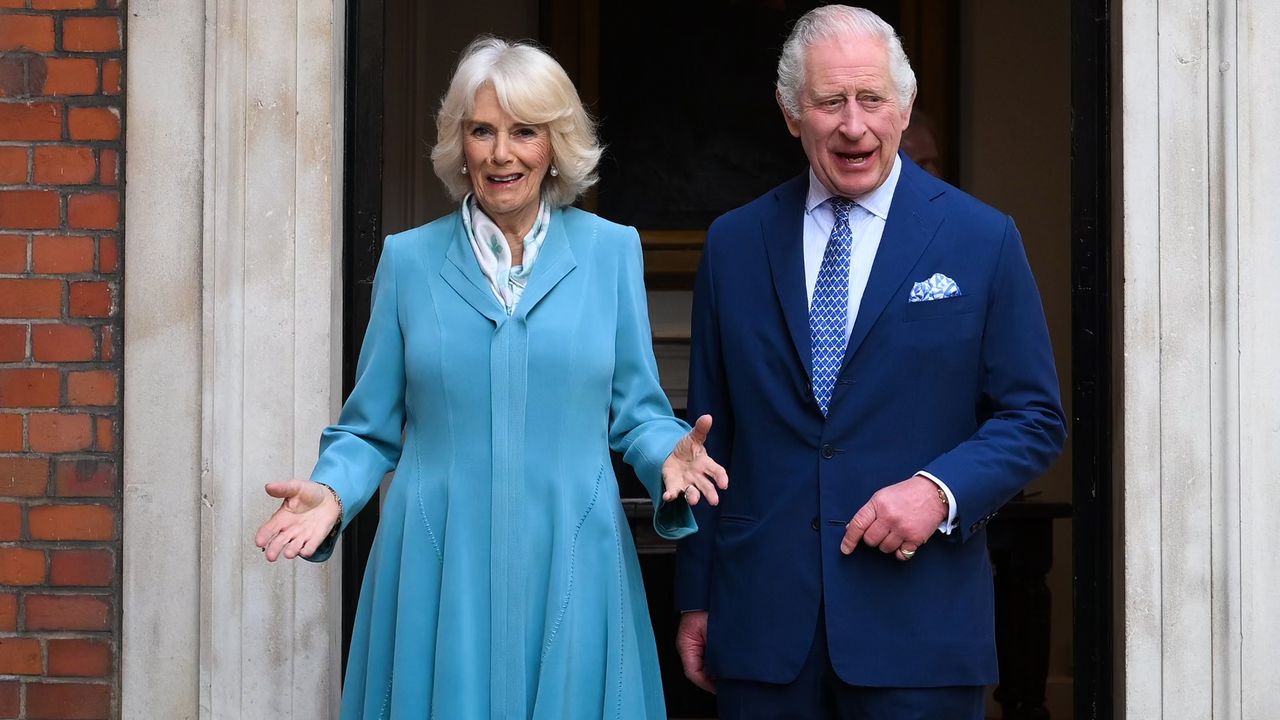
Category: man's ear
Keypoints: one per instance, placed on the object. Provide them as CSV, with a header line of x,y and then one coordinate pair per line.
x,y
906,113
793,124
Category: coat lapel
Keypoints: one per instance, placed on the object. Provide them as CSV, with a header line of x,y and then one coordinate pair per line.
x,y
555,261
784,242
462,272
913,220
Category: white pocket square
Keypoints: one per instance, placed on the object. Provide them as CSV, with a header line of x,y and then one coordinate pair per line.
x,y
935,288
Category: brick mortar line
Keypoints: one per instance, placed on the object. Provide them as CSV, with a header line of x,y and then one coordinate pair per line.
x,y
69,188
99,144
94,410
77,367
71,101
62,634
46,501
57,545
55,232
69,455
77,12
64,591
45,678
28,54
86,276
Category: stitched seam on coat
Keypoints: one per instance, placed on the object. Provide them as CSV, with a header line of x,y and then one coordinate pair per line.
x,y
386,698
622,615
573,551
422,507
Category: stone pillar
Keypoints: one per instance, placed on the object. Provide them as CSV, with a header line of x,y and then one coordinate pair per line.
x,y
162,336
1200,398
232,358
1252,440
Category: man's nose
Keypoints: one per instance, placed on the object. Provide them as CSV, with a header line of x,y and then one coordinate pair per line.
x,y
852,123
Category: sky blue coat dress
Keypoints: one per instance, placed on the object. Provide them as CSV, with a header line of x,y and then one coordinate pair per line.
x,y
504,582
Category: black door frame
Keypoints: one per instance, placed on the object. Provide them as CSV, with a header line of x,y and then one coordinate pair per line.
x,y
1093,488
1091,298
361,247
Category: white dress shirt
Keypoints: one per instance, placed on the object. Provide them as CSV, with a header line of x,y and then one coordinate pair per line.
x,y
866,223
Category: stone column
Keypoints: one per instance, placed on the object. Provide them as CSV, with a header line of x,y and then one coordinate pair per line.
x,y
162,339
1252,440
232,356
1200,398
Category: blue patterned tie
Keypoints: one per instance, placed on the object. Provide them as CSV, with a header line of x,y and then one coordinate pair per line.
x,y
829,310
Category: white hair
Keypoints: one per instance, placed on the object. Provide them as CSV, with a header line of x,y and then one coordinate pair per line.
x,y
533,88
847,23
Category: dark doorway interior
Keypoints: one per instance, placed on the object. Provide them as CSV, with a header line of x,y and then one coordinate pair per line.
x,y
1092,333
361,247
396,67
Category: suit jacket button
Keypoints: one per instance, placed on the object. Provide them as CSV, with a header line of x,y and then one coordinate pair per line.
x,y
813,524
828,452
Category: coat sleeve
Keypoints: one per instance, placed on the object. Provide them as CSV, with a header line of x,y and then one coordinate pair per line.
x,y
708,394
365,444
1025,426
641,424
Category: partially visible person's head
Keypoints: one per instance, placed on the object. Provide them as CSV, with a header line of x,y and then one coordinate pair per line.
x,y
512,109
921,144
845,87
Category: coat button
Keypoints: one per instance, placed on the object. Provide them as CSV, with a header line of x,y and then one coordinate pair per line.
x,y
828,452
813,524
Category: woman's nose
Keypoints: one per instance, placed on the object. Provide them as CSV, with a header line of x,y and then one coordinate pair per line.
x,y
501,149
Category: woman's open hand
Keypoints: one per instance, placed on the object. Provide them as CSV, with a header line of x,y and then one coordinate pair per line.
x,y
690,471
303,521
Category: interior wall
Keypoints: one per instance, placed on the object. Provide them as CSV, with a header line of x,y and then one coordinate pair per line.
x,y
1015,139
423,44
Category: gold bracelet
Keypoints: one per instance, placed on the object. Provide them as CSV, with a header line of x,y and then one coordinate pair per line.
x,y
338,524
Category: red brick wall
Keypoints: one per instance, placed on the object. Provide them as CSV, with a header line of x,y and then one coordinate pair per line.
x,y
61,143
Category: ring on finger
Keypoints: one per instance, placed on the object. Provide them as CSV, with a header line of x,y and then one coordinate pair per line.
x,y
906,554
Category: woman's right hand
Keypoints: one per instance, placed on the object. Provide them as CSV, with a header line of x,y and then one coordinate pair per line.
x,y
305,518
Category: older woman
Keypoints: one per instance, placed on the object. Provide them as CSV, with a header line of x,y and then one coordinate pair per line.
x,y
508,349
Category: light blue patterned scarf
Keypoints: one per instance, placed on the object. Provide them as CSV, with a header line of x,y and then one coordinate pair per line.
x,y
494,255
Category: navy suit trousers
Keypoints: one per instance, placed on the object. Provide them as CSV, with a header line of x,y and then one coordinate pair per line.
x,y
819,694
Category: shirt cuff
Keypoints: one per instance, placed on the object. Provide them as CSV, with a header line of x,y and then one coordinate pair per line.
x,y
950,523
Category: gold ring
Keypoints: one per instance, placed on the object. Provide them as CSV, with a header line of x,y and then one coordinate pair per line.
x,y
907,554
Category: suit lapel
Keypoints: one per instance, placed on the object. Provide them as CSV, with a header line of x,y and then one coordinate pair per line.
x,y
913,220
783,231
463,274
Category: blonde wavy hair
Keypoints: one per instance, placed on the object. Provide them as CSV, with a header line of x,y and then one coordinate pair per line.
x,y
534,89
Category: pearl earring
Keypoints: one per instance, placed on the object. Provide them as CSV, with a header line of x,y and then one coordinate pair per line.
x,y
464,169
554,171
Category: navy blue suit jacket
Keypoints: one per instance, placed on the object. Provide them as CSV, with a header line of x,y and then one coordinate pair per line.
x,y
963,387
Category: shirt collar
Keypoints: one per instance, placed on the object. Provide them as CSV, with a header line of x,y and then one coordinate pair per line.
x,y
876,202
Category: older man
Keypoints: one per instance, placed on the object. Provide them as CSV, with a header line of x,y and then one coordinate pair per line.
x,y
872,345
